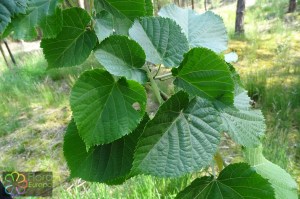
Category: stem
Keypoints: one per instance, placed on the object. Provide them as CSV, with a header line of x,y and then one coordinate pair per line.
x,y
157,71
154,87
213,169
219,161
163,76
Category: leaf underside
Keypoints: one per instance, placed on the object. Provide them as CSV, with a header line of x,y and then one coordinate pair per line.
x,y
162,40
284,185
37,13
205,30
181,138
9,9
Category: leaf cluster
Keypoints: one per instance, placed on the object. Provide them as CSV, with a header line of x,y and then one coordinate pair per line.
x,y
111,137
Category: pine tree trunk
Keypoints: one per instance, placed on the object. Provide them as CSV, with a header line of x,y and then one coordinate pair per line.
x,y
292,6
239,20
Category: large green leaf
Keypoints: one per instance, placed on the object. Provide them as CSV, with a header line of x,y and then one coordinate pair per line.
x,y
181,138
106,24
161,39
122,57
104,109
74,43
203,73
105,163
9,9
205,30
284,185
24,26
236,181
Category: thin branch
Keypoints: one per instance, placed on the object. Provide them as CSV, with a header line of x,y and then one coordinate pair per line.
x,y
154,87
157,71
163,76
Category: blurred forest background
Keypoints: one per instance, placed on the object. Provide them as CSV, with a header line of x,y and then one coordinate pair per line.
x,y
34,108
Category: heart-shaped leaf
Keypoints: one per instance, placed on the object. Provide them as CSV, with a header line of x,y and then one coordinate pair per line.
x,y
203,73
104,109
181,138
74,43
236,181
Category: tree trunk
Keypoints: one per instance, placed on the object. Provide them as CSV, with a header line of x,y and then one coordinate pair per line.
x,y
193,4
239,20
182,3
81,3
292,6
176,2
87,5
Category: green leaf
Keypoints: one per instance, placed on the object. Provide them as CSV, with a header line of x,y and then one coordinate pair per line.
x,y
244,124
181,138
161,39
122,57
203,73
284,185
106,163
236,181
205,30
8,9
122,8
36,12
106,24
148,8
74,43
104,109
51,25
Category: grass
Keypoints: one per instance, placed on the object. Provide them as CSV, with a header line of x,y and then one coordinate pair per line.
x,y
34,109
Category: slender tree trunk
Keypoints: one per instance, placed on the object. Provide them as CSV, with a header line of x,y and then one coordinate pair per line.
x,y
87,5
10,54
205,5
81,3
193,4
176,2
4,57
182,3
239,20
292,6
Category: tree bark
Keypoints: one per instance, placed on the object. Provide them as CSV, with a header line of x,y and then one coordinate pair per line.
x,y
193,4
239,20
292,6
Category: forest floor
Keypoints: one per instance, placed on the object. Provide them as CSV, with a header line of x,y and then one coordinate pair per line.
x,y
34,107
